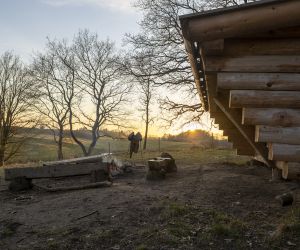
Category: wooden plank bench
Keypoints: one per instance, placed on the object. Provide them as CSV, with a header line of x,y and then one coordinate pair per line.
x,y
21,178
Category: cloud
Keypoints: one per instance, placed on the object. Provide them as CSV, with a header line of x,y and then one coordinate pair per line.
x,y
123,5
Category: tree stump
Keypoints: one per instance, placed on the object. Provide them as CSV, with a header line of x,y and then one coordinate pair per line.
x,y
20,183
168,164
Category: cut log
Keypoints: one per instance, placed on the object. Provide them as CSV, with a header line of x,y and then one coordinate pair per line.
x,y
288,135
259,64
259,81
294,171
262,46
264,99
241,21
284,152
163,163
271,117
86,159
53,171
212,48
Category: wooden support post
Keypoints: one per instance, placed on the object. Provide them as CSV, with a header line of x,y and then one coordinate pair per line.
x,y
283,165
235,118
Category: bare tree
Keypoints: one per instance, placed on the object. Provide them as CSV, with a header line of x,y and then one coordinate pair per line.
x,y
57,91
17,96
96,73
161,33
139,68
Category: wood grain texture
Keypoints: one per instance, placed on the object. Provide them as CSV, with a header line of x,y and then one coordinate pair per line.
x,y
254,64
243,21
271,117
284,152
264,99
289,135
259,81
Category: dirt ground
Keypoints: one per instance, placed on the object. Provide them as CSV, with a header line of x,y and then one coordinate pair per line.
x,y
212,206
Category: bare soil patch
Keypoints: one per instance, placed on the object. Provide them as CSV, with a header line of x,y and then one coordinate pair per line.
x,y
211,206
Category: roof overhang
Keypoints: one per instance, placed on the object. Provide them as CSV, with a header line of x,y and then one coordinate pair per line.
x,y
233,22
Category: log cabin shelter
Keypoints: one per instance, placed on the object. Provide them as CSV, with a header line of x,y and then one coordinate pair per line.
x,y
246,65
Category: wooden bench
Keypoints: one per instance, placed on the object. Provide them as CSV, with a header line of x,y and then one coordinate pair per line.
x,y
21,178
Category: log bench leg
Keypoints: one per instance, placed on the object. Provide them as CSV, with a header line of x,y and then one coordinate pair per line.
x,y
20,183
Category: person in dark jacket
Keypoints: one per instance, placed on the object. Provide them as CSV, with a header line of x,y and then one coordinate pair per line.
x,y
135,140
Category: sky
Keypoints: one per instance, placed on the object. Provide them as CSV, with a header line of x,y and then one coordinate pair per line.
x,y
25,24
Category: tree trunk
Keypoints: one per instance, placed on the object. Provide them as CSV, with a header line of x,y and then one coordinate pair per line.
x,y
2,151
147,125
60,143
85,153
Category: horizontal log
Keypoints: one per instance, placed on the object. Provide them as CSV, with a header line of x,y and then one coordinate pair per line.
x,y
264,99
53,171
271,117
283,33
288,135
85,159
259,64
259,81
284,152
241,21
289,170
260,46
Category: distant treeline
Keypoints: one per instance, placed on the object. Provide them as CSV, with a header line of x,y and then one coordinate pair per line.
x,y
199,135
81,133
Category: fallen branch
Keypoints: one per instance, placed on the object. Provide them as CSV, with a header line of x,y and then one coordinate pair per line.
x,y
87,215
79,187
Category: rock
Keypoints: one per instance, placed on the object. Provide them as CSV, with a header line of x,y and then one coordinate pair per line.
x,y
285,199
20,183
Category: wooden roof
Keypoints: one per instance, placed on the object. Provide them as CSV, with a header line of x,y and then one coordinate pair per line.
x,y
240,20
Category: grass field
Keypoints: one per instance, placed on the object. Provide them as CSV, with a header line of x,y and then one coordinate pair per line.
x,y
44,149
